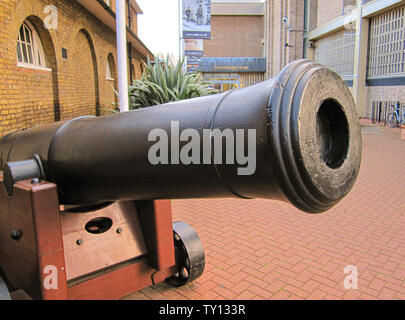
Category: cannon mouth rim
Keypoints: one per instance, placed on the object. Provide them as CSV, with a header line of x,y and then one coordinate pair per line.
x,y
305,100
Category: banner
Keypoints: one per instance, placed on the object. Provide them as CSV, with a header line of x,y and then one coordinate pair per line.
x,y
196,19
194,47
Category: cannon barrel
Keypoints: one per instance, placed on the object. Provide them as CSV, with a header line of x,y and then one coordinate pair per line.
x,y
304,125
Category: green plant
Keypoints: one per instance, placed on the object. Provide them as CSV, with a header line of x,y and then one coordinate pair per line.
x,y
114,106
164,82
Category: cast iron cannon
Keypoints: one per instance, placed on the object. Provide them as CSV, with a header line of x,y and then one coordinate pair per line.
x,y
308,146
294,138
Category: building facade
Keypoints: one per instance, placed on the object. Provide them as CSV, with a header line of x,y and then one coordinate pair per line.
x,y
234,56
364,41
285,32
58,59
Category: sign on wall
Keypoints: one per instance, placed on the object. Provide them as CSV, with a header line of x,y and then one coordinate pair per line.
x,y
193,47
233,64
193,63
196,19
194,50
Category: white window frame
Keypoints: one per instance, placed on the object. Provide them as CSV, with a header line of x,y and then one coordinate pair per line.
x,y
35,58
108,72
386,55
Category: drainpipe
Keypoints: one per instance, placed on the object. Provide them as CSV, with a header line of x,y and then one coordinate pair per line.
x,y
306,28
122,56
129,14
180,12
131,76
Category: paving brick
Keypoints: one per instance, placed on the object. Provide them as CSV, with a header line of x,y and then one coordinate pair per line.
x,y
296,291
281,295
316,295
275,286
310,285
377,284
246,295
352,295
241,286
386,294
304,276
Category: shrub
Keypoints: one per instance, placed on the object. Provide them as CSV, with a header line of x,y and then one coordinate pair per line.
x,y
164,82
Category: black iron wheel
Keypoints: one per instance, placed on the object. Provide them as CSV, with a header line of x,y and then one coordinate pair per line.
x,y
190,257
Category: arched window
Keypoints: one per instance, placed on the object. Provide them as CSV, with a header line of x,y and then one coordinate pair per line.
x,y
109,75
29,47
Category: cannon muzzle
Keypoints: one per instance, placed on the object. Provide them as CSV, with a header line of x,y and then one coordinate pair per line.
x,y
295,138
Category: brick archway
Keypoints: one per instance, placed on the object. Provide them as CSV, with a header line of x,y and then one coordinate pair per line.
x,y
40,103
50,54
85,75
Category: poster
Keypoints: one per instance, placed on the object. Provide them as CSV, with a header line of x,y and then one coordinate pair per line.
x,y
196,19
194,47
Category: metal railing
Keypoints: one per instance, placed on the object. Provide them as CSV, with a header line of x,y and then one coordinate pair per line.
x,y
380,110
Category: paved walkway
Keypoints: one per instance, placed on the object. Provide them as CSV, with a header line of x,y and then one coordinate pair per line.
x,y
260,249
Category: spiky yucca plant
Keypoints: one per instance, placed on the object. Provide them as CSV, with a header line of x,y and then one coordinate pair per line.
x,y
164,82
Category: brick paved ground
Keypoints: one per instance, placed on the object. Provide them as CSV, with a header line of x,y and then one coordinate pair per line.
x,y
260,249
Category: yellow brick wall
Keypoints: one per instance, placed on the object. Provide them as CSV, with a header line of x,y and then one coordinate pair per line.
x,y
83,77
74,86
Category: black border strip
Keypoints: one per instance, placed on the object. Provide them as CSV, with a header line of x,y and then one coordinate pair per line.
x,y
381,82
349,83
384,82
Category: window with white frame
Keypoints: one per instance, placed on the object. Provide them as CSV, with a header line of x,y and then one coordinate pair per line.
x,y
386,55
108,74
30,52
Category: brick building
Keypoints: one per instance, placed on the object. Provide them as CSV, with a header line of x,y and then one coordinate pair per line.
x,y
58,59
362,40
284,36
366,46
234,56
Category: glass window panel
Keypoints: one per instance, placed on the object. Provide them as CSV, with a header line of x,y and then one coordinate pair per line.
x,y
19,55
25,55
27,35
108,71
39,59
22,37
29,49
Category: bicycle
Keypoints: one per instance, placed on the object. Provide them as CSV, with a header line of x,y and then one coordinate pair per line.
x,y
397,117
